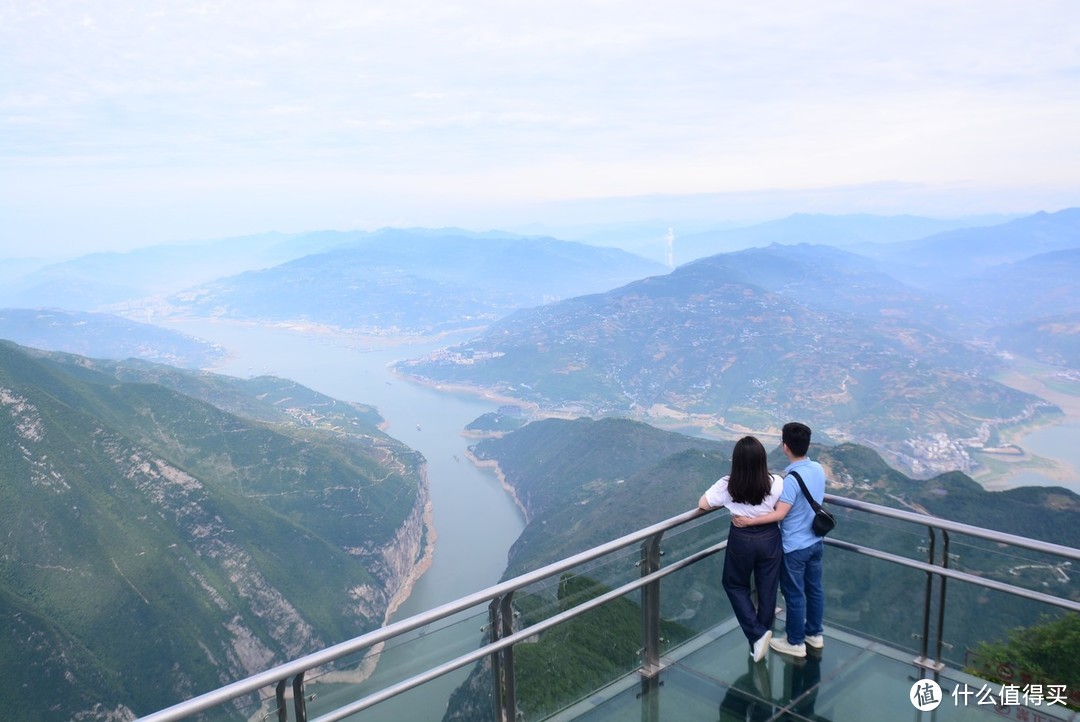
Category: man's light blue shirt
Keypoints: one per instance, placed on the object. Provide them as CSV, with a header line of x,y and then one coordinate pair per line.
x,y
795,527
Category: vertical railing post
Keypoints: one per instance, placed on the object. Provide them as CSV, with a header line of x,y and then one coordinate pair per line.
x,y
496,662
924,643
650,631
506,621
650,607
503,694
279,697
299,700
941,597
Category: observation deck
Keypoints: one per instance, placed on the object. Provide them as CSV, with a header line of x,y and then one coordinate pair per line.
x,y
640,629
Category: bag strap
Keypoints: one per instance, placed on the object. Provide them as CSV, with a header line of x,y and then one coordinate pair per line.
x,y
813,504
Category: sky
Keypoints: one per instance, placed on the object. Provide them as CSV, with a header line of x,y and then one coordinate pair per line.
x,y
126,124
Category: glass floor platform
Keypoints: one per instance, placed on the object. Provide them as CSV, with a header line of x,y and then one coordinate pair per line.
x,y
851,680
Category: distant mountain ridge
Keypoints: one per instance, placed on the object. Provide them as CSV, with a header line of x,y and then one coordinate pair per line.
x,y
102,335
156,545
748,341
409,282
842,231
97,281
938,259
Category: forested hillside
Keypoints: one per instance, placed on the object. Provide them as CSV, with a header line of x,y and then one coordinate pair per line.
x,y
156,545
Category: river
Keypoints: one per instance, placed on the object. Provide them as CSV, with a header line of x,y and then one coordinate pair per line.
x,y
1056,445
475,519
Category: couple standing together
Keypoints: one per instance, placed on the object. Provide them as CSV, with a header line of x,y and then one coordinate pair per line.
x,y
771,540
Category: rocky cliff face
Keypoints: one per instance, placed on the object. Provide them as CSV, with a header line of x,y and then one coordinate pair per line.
x,y
398,564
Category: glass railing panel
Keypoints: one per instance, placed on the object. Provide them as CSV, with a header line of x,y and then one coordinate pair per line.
x,y
539,601
868,601
401,658
894,536
874,598
1017,566
1026,645
692,599
574,659
1011,640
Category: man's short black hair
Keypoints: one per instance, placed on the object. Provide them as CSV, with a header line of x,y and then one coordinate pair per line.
x,y
797,437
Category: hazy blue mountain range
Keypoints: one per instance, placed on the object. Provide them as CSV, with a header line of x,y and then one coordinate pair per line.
x,y
156,545
97,281
415,282
1016,284
102,335
832,230
937,261
750,340
1029,308
1030,288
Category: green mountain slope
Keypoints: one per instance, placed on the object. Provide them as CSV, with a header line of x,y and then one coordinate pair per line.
x,y
586,481
155,546
599,479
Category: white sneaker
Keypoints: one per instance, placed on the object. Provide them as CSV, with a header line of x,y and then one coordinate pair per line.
x,y
782,646
816,641
761,647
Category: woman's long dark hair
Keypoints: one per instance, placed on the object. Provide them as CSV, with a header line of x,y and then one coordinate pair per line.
x,y
749,481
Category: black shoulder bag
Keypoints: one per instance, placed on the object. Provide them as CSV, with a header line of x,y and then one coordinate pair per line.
x,y
823,520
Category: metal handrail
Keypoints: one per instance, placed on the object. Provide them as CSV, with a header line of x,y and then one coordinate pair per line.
x,y
519,636
943,573
954,526
272,676
650,536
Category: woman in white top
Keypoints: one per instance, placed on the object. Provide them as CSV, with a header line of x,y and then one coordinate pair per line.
x,y
752,551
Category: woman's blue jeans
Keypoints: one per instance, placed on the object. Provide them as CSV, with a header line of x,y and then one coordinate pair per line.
x,y
753,551
801,583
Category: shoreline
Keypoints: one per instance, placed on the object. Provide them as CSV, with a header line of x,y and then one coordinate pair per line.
x,y
1008,466
507,487
466,389
991,479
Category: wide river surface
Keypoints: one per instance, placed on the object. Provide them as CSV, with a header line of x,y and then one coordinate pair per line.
x,y
1057,442
475,519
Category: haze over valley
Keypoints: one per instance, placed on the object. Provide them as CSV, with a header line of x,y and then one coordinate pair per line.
x,y
903,345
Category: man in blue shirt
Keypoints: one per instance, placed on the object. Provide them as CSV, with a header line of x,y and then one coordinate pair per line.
x,y
800,573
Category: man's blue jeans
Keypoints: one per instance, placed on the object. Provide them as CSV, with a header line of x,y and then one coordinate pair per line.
x,y
801,584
